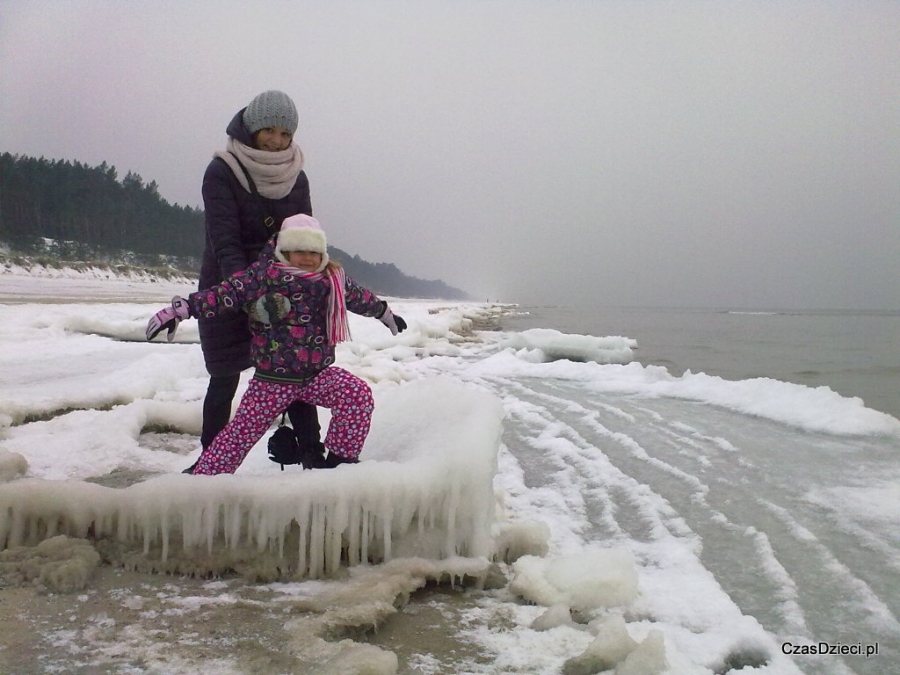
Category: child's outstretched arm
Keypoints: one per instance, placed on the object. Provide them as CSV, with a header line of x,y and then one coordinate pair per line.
x,y
362,301
394,322
229,296
169,317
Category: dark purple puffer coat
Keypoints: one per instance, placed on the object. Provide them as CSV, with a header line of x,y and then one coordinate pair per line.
x,y
235,235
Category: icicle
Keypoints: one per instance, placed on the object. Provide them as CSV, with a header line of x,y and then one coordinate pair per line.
x,y
164,529
5,526
337,523
365,535
386,532
353,535
316,541
146,528
302,518
210,518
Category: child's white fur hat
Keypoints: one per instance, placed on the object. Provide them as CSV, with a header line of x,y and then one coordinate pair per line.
x,y
302,233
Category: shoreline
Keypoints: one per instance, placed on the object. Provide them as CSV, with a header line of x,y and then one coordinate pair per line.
x,y
18,289
137,622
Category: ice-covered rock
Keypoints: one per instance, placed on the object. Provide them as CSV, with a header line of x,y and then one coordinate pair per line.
x,y
12,465
514,540
557,615
610,647
59,564
648,658
585,582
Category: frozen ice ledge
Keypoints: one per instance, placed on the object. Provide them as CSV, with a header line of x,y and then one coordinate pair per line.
x,y
424,488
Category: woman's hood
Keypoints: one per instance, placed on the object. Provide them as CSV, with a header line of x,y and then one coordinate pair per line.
x,y
238,131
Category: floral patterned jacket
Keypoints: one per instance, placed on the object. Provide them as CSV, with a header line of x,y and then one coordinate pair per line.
x,y
289,347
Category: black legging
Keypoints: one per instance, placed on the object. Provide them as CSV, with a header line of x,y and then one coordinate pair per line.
x,y
217,411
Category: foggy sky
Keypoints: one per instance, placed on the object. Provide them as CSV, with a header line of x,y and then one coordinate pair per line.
x,y
576,152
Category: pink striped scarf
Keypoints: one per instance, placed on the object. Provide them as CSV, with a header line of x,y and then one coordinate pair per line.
x,y
336,326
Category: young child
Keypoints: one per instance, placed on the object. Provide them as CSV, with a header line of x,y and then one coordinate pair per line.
x,y
297,305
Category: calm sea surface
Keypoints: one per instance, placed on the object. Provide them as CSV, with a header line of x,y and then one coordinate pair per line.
x,y
853,353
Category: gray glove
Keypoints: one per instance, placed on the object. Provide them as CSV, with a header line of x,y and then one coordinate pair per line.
x,y
270,308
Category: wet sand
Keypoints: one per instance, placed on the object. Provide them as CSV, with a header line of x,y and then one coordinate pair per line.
x,y
131,622
16,289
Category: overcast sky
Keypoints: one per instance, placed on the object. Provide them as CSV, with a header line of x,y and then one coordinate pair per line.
x,y
579,152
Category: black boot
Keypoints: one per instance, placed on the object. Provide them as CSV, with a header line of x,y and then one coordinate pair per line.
x,y
312,454
334,460
315,460
190,469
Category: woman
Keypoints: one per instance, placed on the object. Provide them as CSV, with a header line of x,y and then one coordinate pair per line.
x,y
248,190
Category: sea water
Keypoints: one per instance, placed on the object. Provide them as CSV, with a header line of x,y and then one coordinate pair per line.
x,y
799,528
856,354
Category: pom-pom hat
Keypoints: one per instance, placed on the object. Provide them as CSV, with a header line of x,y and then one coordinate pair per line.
x,y
302,233
271,109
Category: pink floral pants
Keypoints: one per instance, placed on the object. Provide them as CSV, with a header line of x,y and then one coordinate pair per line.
x,y
348,397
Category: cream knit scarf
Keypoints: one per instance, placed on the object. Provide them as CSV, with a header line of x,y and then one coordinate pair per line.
x,y
274,173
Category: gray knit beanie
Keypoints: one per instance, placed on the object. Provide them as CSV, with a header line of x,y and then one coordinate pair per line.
x,y
271,109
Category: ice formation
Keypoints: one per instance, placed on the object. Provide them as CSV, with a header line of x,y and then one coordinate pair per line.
x,y
59,564
612,645
424,490
12,465
545,344
585,582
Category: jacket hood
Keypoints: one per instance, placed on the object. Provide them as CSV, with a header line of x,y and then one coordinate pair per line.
x,y
238,131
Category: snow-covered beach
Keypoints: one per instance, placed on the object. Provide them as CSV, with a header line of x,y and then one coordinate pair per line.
x,y
658,524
